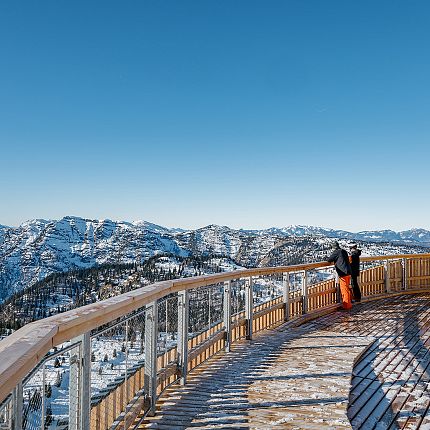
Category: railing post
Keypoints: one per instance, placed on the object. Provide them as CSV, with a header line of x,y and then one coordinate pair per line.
x,y
74,388
86,381
305,292
42,423
337,285
126,393
80,383
151,334
183,317
17,402
249,308
227,314
286,295
387,276
404,275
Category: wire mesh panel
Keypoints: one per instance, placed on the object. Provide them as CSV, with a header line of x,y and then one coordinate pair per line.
x,y
295,294
205,308
216,298
48,401
215,319
6,411
238,309
167,341
267,299
206,336
34,396
167,324
117,376
134,367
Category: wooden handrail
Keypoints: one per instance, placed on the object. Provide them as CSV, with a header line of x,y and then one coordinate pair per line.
x,y
24,349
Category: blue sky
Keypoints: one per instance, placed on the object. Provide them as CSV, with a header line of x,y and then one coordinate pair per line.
x,y
248,113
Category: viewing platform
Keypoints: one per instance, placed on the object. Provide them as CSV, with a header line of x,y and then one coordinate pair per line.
x,y
257,348
367,368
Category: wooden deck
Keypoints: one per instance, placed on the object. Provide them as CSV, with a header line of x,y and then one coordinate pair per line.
x,y
300,377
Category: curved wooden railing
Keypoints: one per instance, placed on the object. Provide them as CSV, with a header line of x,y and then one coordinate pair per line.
x,y
314,290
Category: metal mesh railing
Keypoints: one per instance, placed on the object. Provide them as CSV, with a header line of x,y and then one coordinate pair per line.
x,y
205,323
117,360
167,324
47,399
6,414
167,340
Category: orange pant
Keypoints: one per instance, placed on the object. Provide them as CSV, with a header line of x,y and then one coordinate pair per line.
x,y
345,291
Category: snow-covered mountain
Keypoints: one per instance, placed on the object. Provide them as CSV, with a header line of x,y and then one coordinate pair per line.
x,y
37,248
416,236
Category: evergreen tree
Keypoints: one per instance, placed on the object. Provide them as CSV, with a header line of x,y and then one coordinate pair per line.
x,y
48,390
48,417
58,379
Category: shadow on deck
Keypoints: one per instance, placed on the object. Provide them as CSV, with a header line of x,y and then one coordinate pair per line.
x,y
300,377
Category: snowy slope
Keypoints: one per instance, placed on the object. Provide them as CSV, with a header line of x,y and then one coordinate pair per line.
x,y
37,248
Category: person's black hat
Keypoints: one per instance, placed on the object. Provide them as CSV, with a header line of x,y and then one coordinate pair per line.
x,y
335,245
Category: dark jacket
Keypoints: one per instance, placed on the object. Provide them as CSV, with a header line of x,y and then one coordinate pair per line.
x,y
340,259
355,262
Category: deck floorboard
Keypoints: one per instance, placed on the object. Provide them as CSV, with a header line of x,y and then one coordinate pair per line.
x,y
308,377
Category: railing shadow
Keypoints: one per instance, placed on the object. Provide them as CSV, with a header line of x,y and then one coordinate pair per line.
x,y
413,357
219,393
222,398
397,362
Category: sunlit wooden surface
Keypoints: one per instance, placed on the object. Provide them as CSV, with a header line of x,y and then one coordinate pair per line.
x,y
300,377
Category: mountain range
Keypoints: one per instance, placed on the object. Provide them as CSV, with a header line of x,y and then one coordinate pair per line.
x,y
37,248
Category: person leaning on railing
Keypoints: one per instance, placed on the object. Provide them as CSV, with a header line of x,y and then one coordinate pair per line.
x,y
340,258
355,270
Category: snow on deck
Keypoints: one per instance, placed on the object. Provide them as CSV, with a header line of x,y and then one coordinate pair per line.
x,y
391,381
287,378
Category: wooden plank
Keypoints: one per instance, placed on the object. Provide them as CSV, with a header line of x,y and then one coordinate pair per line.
x,y
215,395
372,400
